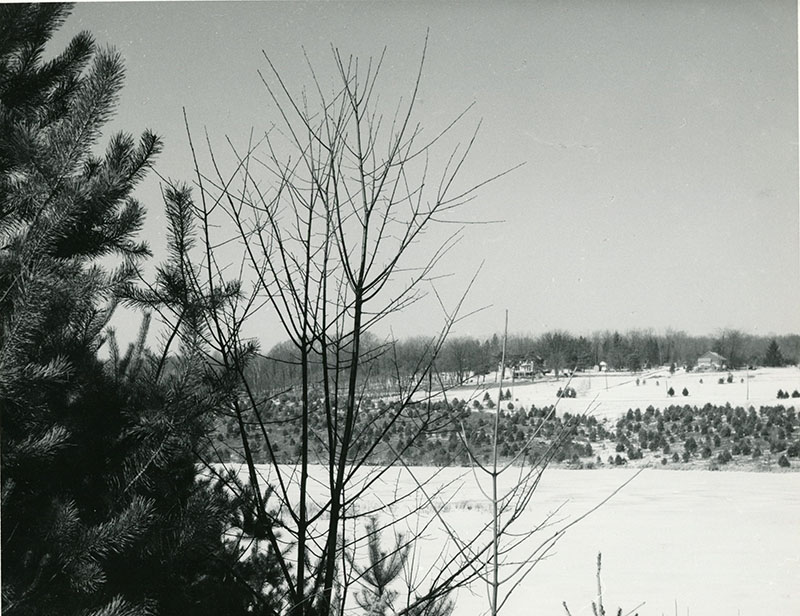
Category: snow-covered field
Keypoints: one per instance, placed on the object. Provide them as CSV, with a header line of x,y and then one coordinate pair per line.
x,y
690,542
613,393
709,543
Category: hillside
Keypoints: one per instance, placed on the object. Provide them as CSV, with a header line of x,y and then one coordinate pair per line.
x,y
611,394
624,424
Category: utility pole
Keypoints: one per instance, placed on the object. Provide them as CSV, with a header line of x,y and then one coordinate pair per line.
x,y
747,380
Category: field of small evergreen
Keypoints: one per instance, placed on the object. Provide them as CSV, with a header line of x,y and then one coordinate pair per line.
x,y
678,436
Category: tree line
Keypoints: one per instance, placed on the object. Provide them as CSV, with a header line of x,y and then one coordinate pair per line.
x,y
462,357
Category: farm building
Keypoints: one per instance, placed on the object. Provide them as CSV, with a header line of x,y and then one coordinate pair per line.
x,y
711,361
528,368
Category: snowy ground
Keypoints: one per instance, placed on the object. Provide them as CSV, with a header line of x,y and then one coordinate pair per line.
x,y
683,542
612,394
716,544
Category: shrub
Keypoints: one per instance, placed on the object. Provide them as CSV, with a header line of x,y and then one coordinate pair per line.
x,y
670,392
685,392
569,392
784,462
663,461
796,394
676,457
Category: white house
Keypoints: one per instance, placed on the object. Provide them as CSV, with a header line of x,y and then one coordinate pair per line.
x,y
711,361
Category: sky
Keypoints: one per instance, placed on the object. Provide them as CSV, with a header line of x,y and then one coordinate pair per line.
x,y
659,139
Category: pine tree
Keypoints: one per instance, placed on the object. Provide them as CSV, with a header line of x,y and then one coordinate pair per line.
x,y
384,572
773,357
102,511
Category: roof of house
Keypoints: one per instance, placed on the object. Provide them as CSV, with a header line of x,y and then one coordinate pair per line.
x,y
712,356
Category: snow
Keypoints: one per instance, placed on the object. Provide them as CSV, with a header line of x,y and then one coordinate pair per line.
x,y
612,394
709,543
681,542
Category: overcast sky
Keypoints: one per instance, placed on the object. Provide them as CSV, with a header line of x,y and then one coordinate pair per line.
x,y
660,141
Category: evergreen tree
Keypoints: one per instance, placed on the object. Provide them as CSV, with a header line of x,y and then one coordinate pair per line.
x,y
102,511
383,574
773,357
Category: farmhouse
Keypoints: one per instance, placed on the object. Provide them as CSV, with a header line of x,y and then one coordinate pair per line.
x,y
711,361
528,368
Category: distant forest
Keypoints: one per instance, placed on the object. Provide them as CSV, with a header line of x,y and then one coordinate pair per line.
x,y
459,357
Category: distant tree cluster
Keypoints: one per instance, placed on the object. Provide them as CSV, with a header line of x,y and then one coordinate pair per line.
x,y
531,431
718,433
679,433
551,353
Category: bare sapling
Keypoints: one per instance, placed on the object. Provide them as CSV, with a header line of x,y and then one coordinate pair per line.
x,y
322,226
513,550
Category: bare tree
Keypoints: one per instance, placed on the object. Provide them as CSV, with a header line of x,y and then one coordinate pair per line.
x,y
331,212
330,215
